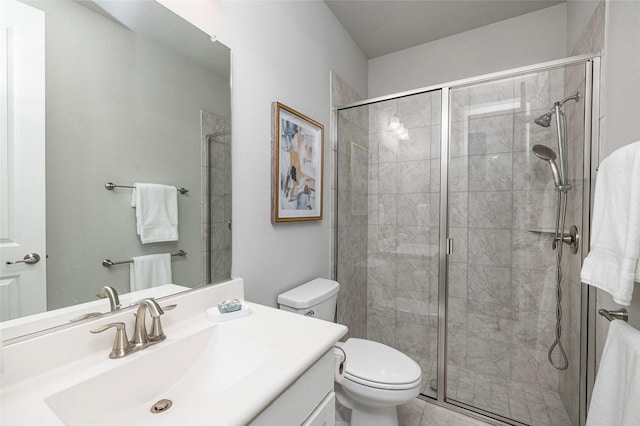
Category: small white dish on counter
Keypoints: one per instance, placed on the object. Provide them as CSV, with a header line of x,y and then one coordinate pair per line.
x,y
214,314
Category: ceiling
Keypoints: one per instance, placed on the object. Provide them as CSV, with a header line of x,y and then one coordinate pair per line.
x,y
380,27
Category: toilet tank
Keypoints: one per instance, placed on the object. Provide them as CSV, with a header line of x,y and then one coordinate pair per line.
x,y
316,299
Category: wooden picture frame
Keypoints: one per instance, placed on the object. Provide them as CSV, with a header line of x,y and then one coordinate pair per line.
x,y
297,161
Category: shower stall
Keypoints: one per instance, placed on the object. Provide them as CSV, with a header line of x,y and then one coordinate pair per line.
x,y
453,206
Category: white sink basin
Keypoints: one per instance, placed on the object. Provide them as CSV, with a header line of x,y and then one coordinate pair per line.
x,y
190,372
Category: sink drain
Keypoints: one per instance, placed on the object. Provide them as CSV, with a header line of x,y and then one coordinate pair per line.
x,y
161,406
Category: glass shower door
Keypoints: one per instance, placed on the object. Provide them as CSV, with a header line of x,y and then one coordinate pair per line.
x,y
502,312
396,174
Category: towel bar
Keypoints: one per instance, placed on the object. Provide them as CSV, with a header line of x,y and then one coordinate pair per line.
x,y
107,263
620,314
110,186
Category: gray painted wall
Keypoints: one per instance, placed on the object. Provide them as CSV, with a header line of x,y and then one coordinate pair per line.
x,y
528,39
119,109
282,51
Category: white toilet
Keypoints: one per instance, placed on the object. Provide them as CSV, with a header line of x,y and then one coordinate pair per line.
x,y
377,379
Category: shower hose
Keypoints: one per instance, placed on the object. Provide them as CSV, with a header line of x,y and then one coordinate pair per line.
x,y
557,246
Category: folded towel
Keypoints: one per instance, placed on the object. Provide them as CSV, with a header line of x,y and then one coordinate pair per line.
x,y
616,393
150,271
612,263
156,212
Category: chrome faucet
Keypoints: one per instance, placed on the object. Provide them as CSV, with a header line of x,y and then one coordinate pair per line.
x,y
140,335
110,293
141,338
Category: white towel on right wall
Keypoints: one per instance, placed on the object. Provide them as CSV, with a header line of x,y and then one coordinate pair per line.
x,y
616,393
612,263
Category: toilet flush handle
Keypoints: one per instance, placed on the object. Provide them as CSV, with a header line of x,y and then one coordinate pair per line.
x,y
311,313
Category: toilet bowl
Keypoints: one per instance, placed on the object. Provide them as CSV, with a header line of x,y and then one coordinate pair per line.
x,y
377,377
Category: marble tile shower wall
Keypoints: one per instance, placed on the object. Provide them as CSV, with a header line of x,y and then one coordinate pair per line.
x,y
502,271
349,193
403,228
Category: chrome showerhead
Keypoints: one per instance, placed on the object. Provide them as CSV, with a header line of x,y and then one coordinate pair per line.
x,y
545,153
544,120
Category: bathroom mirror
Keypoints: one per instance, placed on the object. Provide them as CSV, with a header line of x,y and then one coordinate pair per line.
x,y
132,94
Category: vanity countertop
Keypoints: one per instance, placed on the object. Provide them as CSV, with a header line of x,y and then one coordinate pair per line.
x,y
296,343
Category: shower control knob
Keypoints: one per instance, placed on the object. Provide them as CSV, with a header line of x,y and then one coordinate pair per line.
x,y
572,239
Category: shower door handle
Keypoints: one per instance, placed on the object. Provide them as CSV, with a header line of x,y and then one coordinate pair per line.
x,y
449,246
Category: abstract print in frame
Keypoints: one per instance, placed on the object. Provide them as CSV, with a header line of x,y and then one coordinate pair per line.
x,y
297,146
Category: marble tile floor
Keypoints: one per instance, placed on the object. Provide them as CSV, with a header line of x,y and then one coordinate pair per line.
x,y
418,413
422,413
522,402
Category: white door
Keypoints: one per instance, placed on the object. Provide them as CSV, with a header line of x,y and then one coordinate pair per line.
x,y
22,166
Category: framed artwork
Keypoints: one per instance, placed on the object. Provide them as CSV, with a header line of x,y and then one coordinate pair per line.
x,y
297,160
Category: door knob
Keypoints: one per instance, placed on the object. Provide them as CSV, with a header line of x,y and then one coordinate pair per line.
x,y
29,259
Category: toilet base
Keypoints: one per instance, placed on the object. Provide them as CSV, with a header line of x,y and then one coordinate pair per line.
x,y
379,416
386,416
363,414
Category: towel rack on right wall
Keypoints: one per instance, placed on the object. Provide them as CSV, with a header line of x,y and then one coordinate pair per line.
x,y
620,314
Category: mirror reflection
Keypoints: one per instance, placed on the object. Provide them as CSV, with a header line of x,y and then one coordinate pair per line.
x,y
130,93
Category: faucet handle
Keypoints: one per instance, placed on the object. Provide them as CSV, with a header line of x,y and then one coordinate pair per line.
x,y
121,346
157,333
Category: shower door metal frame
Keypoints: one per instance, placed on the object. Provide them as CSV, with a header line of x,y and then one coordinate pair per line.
x,y
446,247
588,315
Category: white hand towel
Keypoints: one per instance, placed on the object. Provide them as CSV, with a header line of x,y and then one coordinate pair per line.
x,y
156,212
612,263
616,393
150,271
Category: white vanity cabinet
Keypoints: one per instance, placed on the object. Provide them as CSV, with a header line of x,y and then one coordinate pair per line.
x,y
309,400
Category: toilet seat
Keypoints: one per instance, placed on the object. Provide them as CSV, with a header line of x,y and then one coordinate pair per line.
x,y
379,366
383,386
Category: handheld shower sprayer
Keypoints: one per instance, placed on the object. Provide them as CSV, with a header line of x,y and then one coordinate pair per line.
x,y
545,153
